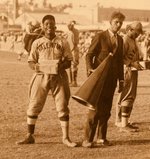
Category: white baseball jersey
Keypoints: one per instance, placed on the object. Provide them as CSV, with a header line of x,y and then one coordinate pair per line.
x,y
45,49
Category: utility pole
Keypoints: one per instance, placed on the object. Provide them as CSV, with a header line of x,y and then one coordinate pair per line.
x,y
15,7
92,16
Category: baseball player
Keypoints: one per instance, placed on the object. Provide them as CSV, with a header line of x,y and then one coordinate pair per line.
x,y
132,66
49,57
73,39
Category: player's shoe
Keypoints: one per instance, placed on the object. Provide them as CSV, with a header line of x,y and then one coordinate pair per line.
x,y
87,144
128,129
102,142
69,143
73,84
118,124
132,126
28,140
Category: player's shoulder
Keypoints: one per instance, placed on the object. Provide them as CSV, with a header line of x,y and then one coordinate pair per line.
x,y
61,40
39,40
126,39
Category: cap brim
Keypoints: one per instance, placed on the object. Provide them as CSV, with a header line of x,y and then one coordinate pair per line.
x,y
140,31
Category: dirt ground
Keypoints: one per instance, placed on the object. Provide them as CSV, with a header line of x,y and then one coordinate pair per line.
x,y
14,79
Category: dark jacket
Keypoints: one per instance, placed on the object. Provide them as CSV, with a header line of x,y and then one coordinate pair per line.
x,y
100,48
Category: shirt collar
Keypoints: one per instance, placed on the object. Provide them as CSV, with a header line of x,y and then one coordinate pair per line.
x,y
111,33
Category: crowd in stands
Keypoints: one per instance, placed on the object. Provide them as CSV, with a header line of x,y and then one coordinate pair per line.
x,y
14,42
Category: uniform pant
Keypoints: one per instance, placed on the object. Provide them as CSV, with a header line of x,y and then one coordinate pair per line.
x,y
39,88
128,95
74,65
75,61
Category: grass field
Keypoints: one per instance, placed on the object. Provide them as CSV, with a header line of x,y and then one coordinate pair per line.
x,y
14,79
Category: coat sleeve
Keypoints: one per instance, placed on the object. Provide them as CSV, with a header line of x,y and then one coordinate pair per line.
x,y
93,50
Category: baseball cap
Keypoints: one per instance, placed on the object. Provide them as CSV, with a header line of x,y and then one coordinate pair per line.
x,y
137,26
73,22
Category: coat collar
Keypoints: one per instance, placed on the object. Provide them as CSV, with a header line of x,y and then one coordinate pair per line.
x,y
109,34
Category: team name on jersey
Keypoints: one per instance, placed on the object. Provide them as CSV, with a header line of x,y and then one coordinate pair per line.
x,y
49,45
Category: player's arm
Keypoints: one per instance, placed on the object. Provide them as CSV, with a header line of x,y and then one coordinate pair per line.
x,y
34,66
129,55
67,56
33,58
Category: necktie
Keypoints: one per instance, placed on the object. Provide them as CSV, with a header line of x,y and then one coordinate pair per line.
x,y
114,42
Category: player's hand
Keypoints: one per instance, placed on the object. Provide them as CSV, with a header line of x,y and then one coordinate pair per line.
x,y
140,67
90,71
37,68
60,67
137,65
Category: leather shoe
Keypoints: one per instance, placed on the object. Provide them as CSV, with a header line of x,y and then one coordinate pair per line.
x,y
103,142
118,124
130,125
69,143
73,84
128,129
86,144
28,140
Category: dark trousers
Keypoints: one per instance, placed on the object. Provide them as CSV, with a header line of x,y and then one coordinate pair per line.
x,y
99,118
94,120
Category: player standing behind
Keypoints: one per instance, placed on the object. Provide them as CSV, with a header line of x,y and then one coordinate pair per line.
x,y
73,39
49,57
33,32
132,66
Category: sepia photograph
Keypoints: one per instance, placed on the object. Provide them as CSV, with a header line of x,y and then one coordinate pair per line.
x,y
74,79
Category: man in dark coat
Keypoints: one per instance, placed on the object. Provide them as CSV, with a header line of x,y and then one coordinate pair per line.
x,y
102,45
